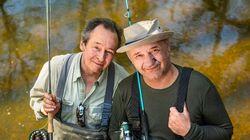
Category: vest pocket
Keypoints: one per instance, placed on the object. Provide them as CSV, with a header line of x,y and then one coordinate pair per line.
x,y
93,116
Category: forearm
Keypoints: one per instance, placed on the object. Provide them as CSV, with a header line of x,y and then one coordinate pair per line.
x,y
36,104
37,92
115,123
114,129
117,116
217,124
209,132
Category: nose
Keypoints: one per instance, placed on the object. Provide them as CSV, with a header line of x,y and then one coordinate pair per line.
x,y
149,61
101,56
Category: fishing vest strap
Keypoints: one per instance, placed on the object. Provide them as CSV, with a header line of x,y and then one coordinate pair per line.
x,y
108,97
63,76
62,80
183,88
182,92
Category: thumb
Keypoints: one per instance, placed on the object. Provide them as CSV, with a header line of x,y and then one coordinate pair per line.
x,y
173,109
185,110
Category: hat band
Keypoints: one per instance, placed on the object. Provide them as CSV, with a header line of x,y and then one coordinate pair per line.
x,y
135,40
153,33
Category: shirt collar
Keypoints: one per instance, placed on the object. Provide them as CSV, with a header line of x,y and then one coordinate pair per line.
x,y
102,77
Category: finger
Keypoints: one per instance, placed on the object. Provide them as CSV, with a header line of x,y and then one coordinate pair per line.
x,y
49,107
174,112
173,109
49,102
172,115
49,110
52,111
48,96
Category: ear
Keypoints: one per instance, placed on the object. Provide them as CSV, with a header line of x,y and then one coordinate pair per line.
x,y
167,41
82,46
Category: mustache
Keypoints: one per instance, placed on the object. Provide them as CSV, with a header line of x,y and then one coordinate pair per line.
x,y
96,60
155,64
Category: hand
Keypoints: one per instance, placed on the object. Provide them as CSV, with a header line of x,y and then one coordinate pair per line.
x,y
178,122
50,104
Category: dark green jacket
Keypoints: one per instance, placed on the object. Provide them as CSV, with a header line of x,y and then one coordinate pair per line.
x,y
209,118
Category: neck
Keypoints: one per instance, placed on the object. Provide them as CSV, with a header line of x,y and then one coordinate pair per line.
x,y
164,81
88,76
89,79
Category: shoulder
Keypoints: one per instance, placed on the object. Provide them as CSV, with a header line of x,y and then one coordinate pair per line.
x,y
124,88
196,78
199,79
127,82
60,59
120,71
57,63
199,85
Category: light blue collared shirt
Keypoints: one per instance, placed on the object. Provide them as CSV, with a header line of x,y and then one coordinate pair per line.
x,y
74,92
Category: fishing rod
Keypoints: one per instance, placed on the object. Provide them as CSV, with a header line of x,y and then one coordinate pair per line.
x,y
43,134
128,14
48,19
143,115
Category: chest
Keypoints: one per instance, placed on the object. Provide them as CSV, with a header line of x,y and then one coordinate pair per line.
x,y
157,107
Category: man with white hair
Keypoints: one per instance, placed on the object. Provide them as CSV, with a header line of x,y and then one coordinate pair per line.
x,y
175,102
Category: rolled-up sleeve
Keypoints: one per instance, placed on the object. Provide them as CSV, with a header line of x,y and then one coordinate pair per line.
x,y
219,126
37,91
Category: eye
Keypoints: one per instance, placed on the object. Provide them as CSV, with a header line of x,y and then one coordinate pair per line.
x,y
96,48
108,52
156,50
138,56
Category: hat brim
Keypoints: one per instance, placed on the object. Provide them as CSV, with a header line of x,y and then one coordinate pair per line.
x,y
146,40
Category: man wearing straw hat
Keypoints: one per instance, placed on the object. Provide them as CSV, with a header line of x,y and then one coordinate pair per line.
x,y
180,103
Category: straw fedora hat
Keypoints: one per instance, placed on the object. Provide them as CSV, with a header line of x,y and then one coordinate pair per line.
x,y
142,33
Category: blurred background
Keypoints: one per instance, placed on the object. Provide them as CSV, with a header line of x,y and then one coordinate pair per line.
x,y
212,36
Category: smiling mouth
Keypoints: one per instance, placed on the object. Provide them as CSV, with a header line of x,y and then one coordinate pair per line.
x,y
99,64
152,68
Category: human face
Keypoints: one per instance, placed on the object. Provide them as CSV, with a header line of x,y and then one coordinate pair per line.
x,y
99,50
151,60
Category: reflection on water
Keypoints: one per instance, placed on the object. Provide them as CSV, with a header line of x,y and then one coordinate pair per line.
x,y
211,36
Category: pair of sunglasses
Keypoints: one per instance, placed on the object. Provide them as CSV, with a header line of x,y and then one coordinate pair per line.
x,y
80,114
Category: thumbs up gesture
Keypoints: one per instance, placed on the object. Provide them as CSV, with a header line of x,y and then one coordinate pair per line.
x,y
178,122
